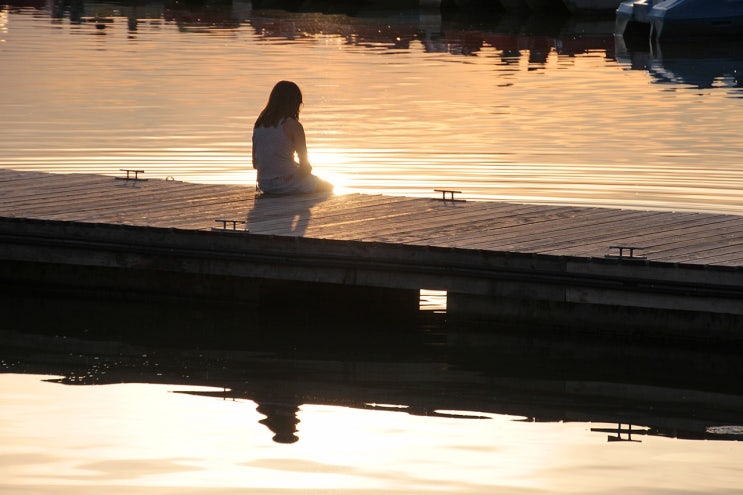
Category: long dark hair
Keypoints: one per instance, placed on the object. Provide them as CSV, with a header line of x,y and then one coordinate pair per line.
x,y
284,101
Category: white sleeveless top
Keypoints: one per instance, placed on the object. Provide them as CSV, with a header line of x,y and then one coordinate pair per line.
x,y
273,153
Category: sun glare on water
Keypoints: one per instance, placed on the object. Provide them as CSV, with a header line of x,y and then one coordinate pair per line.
x,y
327,164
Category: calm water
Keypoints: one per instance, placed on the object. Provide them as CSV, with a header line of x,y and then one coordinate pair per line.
x,y
548,112
165,439
166,399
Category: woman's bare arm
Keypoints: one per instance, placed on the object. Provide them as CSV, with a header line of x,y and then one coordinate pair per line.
x,y
252,152
295,131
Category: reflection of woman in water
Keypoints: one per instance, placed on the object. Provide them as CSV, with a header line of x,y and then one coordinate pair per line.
x,y
277,137
281,419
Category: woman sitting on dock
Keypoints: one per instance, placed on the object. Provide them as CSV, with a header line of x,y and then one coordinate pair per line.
x,y
277,137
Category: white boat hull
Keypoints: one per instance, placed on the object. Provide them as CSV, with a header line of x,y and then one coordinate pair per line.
x,y
698,17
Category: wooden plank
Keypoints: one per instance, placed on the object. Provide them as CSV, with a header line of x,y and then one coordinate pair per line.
x,y
229,207
658,233
76,194
341,220
25,180
700,235
61,187
722,252
725,260
274,207
474,220
471,219
18,177
263,209
610,230
720,257
393,223
448,235
539,232
122,201
203,214
39,190
118,196
108,209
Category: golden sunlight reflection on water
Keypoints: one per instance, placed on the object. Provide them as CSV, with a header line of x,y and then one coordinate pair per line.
x,y
397,105
78,439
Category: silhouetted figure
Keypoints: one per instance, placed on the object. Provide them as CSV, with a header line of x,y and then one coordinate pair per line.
x,y
277,138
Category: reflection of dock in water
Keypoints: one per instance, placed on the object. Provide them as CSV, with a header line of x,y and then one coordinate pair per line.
x,y
531,381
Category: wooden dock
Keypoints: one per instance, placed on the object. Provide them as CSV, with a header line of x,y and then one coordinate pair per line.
x,y
568,265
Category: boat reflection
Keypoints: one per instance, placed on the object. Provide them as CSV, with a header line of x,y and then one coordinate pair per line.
x,y
717,63
428,368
